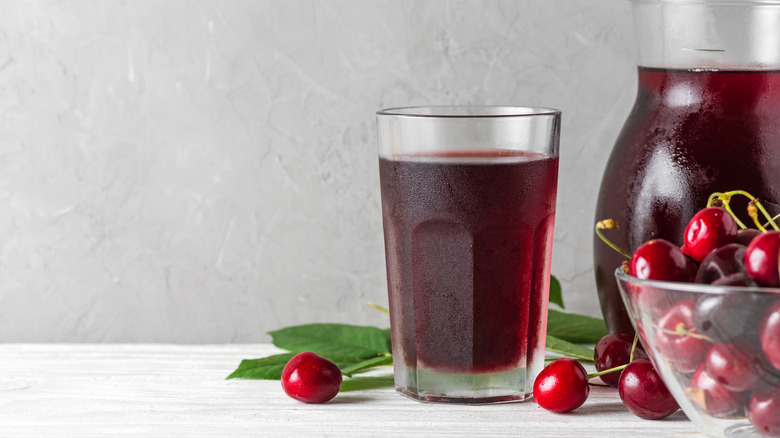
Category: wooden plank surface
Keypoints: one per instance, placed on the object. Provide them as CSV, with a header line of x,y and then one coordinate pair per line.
x,y
180,390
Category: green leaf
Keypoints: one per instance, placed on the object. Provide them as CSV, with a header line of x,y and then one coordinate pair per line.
x,y
269,368
556,294
568,349
368,363
576,328
352,348
361,342
388,339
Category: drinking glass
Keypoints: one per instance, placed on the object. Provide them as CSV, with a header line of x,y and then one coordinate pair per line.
x,y
468,207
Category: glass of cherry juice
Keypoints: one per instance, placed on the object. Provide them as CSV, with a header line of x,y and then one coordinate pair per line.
x,y
468,206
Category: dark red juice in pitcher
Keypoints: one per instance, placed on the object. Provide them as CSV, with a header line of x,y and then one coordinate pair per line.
x,y
468,240
690,133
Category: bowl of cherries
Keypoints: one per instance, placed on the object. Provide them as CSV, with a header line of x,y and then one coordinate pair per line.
x,y
708,314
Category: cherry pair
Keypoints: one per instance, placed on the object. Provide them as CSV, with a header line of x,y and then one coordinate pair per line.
x,y
563,385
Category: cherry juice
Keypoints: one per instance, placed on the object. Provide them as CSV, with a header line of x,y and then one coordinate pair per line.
x,y
468,237
690,133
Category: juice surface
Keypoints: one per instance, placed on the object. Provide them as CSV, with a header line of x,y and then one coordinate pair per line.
x,y
690,133
468,239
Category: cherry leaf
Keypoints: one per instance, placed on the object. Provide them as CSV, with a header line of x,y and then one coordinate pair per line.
x,y
575,328
556,293
360,342
568,349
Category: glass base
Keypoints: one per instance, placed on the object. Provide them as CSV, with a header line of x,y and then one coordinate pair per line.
x,y
745,430
481,388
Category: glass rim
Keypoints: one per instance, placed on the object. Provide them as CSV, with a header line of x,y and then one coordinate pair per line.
x,y
468,111
698,288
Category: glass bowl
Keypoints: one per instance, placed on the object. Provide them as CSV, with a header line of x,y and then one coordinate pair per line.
x,y
717,348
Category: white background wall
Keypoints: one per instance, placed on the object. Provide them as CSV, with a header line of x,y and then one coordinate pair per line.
x,y
199,171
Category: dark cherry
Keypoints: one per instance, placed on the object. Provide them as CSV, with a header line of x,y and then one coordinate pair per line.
x,y
728,315
710,228
644,393
677,339
761,258
562,386
739,279
661,260
764,410
721,262
769,334
612,351
712,397
736,366
311,378
746,235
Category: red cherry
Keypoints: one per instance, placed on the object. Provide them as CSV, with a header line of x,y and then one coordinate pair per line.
x,y
644,393
736,366
714,398
769,334
677,339
709,229
660,259
764,410
761,258
311,378
612,351
562,386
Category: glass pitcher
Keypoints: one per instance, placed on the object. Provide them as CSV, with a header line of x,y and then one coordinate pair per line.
x,y
706,119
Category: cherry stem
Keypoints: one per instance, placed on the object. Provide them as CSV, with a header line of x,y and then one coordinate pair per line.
x,y
754,202
775,218
723,199
727,206
377,307
767,215
753,213
619,367
601,373
633,347
608,224
680,330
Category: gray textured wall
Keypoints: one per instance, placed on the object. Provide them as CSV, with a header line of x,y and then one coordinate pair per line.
x,y
198,171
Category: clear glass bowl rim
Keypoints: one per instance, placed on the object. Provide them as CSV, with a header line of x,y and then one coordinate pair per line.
x,y
469,111
693,287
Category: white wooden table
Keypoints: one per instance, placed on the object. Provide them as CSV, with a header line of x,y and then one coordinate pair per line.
x,y
180,390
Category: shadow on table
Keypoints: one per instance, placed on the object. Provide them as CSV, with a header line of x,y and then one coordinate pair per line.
x,y
616,408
